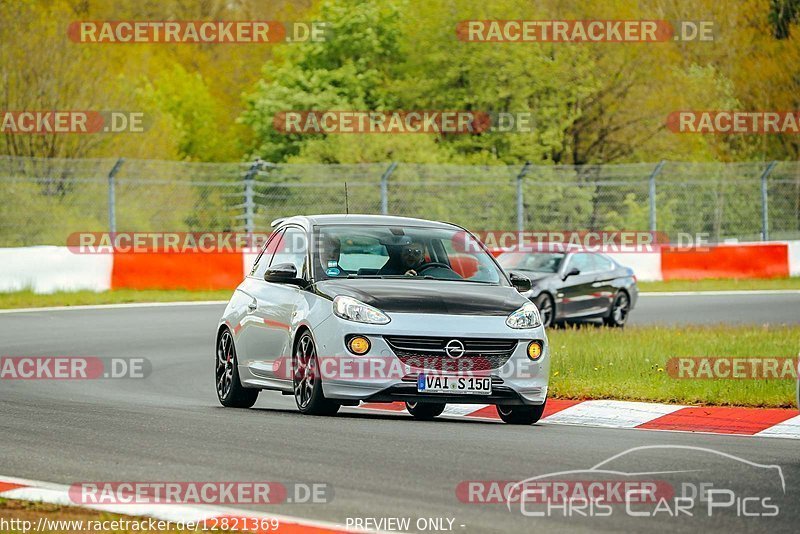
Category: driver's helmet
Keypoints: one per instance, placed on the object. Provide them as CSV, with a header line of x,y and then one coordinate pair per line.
x,y
413,255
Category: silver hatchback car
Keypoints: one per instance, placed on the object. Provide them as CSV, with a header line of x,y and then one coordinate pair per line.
x,y
342,309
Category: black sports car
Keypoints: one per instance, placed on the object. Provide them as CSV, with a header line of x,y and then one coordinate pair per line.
x,y
575,286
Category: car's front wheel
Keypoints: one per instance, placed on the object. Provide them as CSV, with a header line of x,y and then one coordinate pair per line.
x,y
425,411
307,379
547,309
520,415
230,391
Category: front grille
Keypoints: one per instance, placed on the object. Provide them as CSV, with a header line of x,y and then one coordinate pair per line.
x,y
428,353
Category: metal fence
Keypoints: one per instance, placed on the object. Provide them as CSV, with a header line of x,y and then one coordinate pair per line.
x,y
45,200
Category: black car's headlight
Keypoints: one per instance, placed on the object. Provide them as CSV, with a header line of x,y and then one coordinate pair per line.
x,y
525,317
354,310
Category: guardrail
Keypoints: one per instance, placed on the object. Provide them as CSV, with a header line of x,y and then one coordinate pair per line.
x,y
45,200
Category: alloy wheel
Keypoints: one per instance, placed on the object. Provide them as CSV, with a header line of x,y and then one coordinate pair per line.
x,y
305,361
224,371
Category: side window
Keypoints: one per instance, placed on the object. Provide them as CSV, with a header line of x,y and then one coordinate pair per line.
x,y
602,263
263,260
292,249
584,262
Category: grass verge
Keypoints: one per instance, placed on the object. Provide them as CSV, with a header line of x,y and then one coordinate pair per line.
x,y
722,284
630,364
29,299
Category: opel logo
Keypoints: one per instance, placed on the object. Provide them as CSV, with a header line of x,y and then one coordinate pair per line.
x,y
454,349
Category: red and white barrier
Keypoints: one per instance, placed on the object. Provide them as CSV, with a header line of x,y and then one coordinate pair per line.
x,y
741,260
48,269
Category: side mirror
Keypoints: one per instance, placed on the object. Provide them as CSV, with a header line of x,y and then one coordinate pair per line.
x,y
572,272
520,282
283,273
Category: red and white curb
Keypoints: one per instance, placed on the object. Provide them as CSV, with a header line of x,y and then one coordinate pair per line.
x,y
32,490
761,422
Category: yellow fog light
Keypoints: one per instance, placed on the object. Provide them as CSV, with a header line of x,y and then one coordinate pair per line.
x,y
535,349
358,345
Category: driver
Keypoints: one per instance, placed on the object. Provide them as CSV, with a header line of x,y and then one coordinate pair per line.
x,y
412,257
409,260
403,259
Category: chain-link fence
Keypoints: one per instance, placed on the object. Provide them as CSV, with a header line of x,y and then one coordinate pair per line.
x,y
45,200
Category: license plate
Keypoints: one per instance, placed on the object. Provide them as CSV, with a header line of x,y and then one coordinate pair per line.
x,y
468,385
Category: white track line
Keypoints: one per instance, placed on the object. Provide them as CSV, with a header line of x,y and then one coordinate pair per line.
x,y
117,306
720,293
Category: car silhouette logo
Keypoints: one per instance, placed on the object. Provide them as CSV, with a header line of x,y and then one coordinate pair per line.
x,y
454,349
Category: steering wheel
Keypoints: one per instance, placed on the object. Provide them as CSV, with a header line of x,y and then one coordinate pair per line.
x,y
433,264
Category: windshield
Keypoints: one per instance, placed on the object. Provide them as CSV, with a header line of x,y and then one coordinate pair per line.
x,y
538,262
354,251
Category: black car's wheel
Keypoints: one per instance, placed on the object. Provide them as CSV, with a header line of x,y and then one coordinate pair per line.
x,y
307,379
547,309
425,411
520,415
230,391
618,314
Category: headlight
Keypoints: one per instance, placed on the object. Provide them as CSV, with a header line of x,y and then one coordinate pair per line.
x,y
525,317
354,310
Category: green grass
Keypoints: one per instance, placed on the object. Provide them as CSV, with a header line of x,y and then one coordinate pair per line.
x,y
722,284
28,299
629,364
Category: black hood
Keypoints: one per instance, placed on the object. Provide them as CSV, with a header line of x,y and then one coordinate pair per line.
x,y
426,296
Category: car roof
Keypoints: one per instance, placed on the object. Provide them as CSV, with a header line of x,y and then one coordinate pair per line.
x,y
306,221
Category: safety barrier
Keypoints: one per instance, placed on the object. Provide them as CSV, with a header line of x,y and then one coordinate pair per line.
x,y
47,269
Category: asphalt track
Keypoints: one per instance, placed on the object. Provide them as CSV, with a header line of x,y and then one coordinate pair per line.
x,y
169,427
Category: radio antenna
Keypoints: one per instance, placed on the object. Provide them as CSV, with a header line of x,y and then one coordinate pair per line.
x,y
346,202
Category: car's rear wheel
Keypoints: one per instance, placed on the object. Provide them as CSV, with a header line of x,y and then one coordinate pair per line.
x,y
307,379
618,314
230,391
425,411
520,415
547,309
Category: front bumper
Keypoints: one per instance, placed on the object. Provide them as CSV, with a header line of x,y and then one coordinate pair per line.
x,y
380,376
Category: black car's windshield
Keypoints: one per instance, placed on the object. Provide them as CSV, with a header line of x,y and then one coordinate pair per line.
x,y
537,262
356,251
